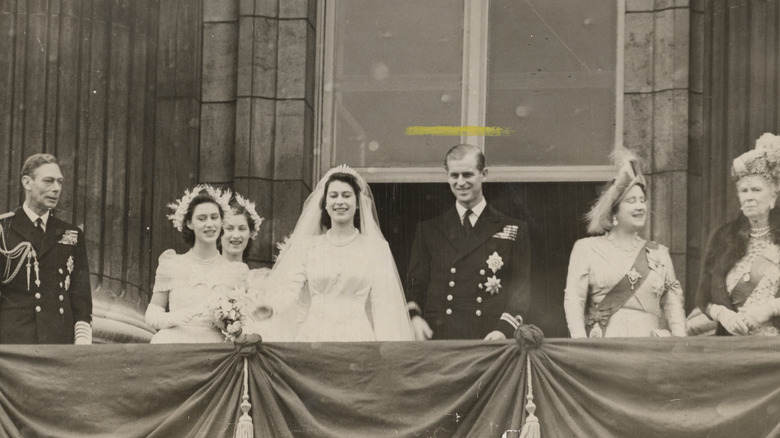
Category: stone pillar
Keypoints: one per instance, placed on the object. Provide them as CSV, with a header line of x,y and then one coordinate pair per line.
x,y
275,114
656,95
218,91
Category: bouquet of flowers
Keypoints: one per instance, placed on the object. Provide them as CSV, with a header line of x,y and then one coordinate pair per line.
x,y
229,312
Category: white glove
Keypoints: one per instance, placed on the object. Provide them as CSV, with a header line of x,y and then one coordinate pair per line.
x,y
158,318
756,316
729,319
422,331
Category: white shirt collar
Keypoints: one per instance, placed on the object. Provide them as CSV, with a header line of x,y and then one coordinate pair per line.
x,y
476,210
45,218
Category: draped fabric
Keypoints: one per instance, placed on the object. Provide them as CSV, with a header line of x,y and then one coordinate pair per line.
x,y
695,387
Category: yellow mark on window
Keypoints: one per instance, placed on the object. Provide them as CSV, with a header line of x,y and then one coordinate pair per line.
x,y
469,131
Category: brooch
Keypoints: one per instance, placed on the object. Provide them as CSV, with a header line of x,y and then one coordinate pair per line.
x,y
633,277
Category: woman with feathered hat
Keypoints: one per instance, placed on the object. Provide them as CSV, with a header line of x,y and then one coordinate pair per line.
x,y
618,284
741,268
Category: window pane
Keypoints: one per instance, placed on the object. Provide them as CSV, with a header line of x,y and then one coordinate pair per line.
x,y
396,64
551,79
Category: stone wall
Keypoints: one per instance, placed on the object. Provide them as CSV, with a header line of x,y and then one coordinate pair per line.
x,y
656,95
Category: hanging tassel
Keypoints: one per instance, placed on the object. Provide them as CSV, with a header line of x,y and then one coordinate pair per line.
x,y
531,428
245,428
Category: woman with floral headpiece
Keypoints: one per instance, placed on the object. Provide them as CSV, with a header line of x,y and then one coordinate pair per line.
x,y
741,268
618,284
240,229
188,283
336,280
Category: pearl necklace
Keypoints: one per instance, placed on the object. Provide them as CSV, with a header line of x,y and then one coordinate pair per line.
x,y
349,239
205,261
759,228
628,248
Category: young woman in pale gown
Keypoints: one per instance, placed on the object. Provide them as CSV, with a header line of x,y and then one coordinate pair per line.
x,y
337,280
240,228
187,284
645,298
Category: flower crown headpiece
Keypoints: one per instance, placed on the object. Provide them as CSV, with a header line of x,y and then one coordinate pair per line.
x,y
764,160
180,206
249,208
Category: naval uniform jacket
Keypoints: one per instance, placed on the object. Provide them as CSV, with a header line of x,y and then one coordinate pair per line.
x,y
46,313
451,281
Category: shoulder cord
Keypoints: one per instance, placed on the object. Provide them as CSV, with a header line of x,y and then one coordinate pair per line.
x,y
22,251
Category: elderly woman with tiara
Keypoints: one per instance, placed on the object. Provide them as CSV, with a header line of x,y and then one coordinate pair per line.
x,y
618,284
741,267
186,284
336,280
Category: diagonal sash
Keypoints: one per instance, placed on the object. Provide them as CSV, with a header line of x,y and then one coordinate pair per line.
x,y
745,287
599,314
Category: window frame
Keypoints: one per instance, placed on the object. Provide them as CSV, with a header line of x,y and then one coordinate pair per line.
x,y
473,105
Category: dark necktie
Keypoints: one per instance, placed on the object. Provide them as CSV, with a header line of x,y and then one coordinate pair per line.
x,y
467,227
39,225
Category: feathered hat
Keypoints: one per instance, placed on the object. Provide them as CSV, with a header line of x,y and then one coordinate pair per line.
x,y
763,160
629,175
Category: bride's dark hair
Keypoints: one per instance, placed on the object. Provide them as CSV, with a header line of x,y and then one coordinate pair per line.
x,y
187,235
325,222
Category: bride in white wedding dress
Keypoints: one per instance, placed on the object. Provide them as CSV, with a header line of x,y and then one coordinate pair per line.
x,y
337,280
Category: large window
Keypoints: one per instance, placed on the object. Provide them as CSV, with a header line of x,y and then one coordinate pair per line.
x,y
546,71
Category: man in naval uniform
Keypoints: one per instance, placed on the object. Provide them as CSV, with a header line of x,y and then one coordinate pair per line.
x,y
469,269
45,294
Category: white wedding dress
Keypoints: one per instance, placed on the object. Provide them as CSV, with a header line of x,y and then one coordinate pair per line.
x,y
339,292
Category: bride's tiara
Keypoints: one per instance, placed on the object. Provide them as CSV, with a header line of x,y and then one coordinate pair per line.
x,y
249,207
181,205
343,168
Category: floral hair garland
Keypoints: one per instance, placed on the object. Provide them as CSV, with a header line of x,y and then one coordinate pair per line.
x,y
180,206
249,207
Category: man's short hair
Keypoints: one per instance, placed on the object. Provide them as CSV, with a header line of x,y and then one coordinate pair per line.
x,y
35,161
458,152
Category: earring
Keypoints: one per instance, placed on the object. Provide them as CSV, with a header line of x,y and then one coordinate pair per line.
x,y
614,221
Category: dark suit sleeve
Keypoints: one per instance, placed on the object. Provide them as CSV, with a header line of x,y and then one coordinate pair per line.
x,y
81,291
520,288
417,276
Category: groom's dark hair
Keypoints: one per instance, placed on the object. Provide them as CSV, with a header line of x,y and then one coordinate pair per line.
x,y
345,178
461,151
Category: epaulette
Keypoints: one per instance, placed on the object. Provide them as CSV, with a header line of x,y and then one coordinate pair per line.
x,y
7,215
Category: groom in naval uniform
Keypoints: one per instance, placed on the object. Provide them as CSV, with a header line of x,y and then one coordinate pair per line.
x,y
45,294
469,269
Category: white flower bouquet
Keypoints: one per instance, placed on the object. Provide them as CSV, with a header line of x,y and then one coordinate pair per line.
x,y
229,313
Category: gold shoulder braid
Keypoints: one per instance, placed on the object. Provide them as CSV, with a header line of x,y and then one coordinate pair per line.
x,y
19,253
